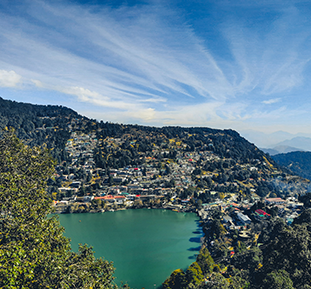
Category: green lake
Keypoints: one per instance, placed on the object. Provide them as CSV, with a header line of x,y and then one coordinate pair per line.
x,y
144,245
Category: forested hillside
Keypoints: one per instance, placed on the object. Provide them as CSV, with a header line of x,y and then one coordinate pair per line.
x,y
221,160
51,125
298,162
40,124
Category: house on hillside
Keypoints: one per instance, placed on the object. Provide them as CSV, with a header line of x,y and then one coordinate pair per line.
x,y
275,201
243,218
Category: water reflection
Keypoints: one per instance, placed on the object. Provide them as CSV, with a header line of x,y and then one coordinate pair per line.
x,y
194,249
195,239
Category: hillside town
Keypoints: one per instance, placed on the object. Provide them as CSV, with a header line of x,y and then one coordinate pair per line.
x,y
169,180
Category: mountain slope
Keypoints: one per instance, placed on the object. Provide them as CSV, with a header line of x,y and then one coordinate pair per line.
x,y
298,162
211,159
39,125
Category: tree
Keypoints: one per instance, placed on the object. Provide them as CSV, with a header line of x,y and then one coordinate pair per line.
x,y
138,203
177,280
194,274
306,199
216,281
278,280
205,261
289,249
199,204
33,251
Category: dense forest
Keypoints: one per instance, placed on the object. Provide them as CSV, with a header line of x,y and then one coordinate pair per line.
x,y
298,162
38,124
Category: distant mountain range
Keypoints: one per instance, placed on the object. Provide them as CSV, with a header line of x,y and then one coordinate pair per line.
x,y
281,149
303,143
296,142
290,145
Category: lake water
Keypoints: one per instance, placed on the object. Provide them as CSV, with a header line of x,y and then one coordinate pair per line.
x,y
144,245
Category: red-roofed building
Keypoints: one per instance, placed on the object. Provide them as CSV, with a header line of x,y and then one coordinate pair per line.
x,y
112,199
261,212
99,198
275,201
108,198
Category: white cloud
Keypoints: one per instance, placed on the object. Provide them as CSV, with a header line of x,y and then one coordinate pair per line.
x,y
9,78
133,53
271,101
83,94
86,95
146,64
145,114
37,83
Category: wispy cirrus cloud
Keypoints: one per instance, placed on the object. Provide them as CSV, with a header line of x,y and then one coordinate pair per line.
x,y
151,64
271,101
131,56
270,58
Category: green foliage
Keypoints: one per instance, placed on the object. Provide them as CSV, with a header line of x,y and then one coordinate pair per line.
x,y
177,280
33,251
247,259
39,124
297,162
306,199
287,249
278,280
194,274
216,229
236,282
304,218
216,281
205,261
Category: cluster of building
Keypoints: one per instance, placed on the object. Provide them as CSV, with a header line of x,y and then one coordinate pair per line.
x,y
237,214
155,179
239,218
123,186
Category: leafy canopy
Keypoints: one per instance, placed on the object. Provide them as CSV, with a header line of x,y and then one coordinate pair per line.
x,y
33,251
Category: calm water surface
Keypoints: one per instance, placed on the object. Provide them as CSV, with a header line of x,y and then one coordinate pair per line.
x,y
144,245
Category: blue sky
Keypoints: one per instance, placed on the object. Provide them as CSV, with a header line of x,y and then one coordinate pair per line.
x,y
238,64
